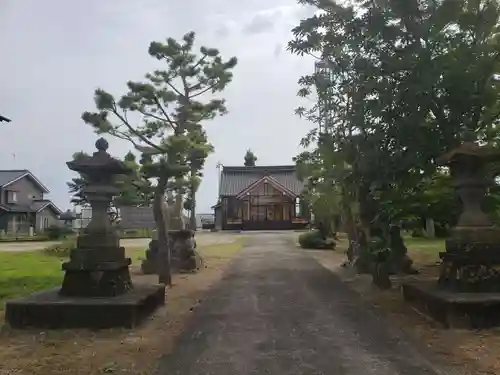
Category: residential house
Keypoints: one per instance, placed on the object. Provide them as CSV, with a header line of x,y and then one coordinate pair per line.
x,y
22,203
260,198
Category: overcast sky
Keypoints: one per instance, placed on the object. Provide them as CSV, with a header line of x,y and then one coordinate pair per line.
x,y
54,53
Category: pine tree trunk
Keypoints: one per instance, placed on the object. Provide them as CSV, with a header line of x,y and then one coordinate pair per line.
x,y
192,219
161,221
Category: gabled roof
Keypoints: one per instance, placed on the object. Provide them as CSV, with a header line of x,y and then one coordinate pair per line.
x,y
9,176
236,179
266,179
35,206
39,205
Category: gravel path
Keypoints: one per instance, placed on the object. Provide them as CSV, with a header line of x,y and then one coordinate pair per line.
x,y
277,311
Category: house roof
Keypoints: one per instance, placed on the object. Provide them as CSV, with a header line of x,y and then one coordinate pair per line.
x,y
236,179
39,205
3,118
68,215
35,206
9,176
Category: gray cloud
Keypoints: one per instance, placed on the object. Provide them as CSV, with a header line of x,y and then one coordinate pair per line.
x,y
260,23
56,52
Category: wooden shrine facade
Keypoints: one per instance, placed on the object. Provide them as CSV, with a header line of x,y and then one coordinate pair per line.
x,y
262,198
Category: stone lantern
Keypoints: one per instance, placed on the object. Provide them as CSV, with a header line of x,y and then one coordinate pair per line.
x,y
98,266
467,293
97,290
473,248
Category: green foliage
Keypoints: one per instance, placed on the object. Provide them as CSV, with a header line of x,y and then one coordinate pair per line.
x,y
398,84
315,240
250,159
171,114
55,232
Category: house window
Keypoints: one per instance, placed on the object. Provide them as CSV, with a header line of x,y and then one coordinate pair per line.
x,y
297,207
11,197
45,222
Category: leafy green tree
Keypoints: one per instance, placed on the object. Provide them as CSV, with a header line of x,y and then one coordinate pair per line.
x,y
401,94
250,159
135,189
171,104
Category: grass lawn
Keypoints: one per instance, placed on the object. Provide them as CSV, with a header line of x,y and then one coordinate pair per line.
x,y
25,272
22,273
424,251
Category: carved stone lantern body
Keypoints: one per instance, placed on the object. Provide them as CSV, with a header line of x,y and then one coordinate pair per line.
x,y
473,248
98,266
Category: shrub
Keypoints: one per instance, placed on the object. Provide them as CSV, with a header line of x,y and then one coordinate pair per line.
x,y
62,249
55,232
314,240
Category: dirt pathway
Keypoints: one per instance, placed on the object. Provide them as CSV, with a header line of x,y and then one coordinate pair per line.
x,y
279,312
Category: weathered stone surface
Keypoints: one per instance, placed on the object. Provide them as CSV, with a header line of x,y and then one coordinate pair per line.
x,y
149,265
185,258
467,293
50,309
453,309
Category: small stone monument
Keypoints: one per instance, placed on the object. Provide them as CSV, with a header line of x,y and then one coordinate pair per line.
x,y
97,291
185,258
467,293
149,266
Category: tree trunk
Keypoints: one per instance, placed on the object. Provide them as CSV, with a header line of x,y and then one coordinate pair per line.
x,y
430,228
160,216
192,219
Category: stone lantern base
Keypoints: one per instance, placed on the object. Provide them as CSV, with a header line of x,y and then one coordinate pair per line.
x,y
49,309
454,309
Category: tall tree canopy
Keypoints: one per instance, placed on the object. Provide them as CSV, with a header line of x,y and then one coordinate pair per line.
x,y
162,117
398,83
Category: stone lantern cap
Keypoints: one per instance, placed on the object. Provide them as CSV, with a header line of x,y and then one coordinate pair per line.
x,y
100,163
472,150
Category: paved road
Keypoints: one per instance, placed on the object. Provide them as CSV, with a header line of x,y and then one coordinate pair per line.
x,y
202,238
279,312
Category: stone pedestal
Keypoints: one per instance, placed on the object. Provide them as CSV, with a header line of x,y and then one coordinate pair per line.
x,y
97,291
149,266
185,258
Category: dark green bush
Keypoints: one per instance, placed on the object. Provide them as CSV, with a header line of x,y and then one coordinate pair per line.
x,y
55,232
314,240
62,249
